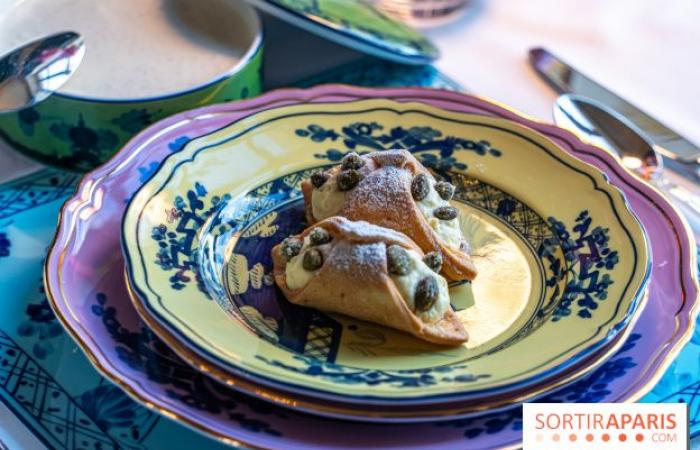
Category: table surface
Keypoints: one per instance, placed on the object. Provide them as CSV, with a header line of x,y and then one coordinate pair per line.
x,y
646,51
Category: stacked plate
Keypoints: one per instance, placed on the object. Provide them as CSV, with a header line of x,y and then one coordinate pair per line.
x,y
191,207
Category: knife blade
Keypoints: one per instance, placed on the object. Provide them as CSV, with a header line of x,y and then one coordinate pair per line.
x,y
566,79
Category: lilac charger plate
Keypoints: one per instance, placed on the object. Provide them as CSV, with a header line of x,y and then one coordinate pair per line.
x,y
84,277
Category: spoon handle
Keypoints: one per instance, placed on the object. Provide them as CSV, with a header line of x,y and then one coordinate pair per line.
x,y
688,170
685,199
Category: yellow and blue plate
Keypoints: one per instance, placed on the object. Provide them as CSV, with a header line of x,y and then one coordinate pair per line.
x,y
564,265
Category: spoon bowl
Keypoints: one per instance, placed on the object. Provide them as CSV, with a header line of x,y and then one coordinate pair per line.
x,y
34,71
609,130
596,123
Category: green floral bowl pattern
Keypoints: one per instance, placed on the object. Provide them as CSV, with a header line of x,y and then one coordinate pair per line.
x,y
79,133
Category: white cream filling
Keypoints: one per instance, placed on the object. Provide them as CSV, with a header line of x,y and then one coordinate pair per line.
x,y
448,230
327,200
407,286
297,276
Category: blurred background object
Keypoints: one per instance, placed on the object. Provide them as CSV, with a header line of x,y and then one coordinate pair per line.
x,y
424,13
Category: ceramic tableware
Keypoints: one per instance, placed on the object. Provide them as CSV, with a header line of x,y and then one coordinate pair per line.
x,y
108,329
424,13
575,277
357,25
38,357
391,413
88,119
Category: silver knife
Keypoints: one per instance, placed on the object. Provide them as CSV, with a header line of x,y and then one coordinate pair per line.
x,y
565,78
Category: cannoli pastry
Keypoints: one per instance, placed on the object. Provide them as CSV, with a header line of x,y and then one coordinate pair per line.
x,y
370,273
393,190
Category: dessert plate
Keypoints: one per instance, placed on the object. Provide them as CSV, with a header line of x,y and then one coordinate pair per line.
x,y
86,290
573,256
399,413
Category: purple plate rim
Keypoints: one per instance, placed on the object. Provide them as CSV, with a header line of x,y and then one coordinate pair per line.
x,y
339,92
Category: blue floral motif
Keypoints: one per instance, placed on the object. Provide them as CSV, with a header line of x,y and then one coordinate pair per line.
x,y
53,407
41,324
31,334
317,133
430,146
372,377
111,408
590,389
494,424
681,382
588,257
147,172
135,120
141,350
176,235
28,117
42,187
689,393
594,388
89,146
440,163
576,262
178,144
5,245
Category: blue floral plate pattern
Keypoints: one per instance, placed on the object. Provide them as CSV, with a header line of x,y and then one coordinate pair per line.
x,y
90,409
30,204
565,267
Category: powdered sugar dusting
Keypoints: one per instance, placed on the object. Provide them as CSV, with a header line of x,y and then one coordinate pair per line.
x,y
381,189
358,260
361,230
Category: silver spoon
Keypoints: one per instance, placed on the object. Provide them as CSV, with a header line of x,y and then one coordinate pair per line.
x,y
36,70
604,127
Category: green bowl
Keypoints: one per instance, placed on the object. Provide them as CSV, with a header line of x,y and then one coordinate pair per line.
x,y
79,133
